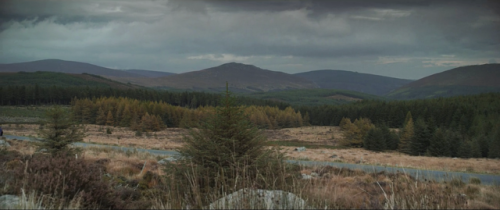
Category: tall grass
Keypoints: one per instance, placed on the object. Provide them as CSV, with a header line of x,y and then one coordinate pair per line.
x,y
333,188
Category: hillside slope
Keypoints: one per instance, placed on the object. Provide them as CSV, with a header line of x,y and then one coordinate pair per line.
x,y
58,79
241,78
149,73
359,82
314,97
463,80
70,67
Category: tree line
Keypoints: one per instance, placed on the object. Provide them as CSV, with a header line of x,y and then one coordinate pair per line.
x,y
155,115
61,95
464,126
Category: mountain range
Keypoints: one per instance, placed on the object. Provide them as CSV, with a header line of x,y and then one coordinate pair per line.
x,y
241,78
248,78
73,67
465,80
348,80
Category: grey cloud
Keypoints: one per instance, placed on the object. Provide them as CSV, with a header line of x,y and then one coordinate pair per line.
x,y
290,36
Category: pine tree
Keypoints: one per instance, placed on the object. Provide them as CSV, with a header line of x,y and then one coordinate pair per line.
x,y
60,131
440,146
306,120
391,139
374,140
226,146
464,149
421,138
475,149
494,149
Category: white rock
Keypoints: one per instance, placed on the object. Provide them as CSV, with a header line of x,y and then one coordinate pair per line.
x,y
305,176
300,149
259,199
9,201
4,143
166,160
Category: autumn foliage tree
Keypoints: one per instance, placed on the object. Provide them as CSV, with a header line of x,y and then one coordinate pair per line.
x,y
406,135
132,113
354,133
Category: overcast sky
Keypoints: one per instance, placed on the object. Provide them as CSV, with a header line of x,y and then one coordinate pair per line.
x,y
403,39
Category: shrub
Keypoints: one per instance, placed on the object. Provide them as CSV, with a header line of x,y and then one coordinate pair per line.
x,y
64,177
474,180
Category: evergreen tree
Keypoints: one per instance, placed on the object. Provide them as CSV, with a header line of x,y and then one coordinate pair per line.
x,y
421,138
391,139
454,140
483,145
494,149
439,146
225,146
475,149
59,131
464,149
374,140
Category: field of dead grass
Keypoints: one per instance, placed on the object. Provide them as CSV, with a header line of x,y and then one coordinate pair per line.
x,y
332,187
171,138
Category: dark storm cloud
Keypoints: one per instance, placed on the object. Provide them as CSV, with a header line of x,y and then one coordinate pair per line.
x,y
407,39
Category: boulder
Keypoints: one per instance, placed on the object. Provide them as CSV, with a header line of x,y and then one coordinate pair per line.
x,y
300,149
42,151
305,176
4,143
166,160
9,202
260,199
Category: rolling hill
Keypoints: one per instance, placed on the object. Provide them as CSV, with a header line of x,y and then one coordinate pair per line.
x,y
70,67
149,73
241,78
359,82
59,79
465,80
73,67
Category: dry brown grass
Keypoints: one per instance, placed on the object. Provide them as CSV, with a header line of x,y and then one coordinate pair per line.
x,y
171,138
342,188
334,188
354,155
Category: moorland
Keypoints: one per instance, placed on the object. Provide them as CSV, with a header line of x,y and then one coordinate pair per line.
x,y
446,126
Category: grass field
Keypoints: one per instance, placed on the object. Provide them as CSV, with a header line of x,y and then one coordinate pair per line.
x,y
329,187
320,143
23,114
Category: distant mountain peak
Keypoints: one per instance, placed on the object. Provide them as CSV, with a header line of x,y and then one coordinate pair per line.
x,y
235,64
